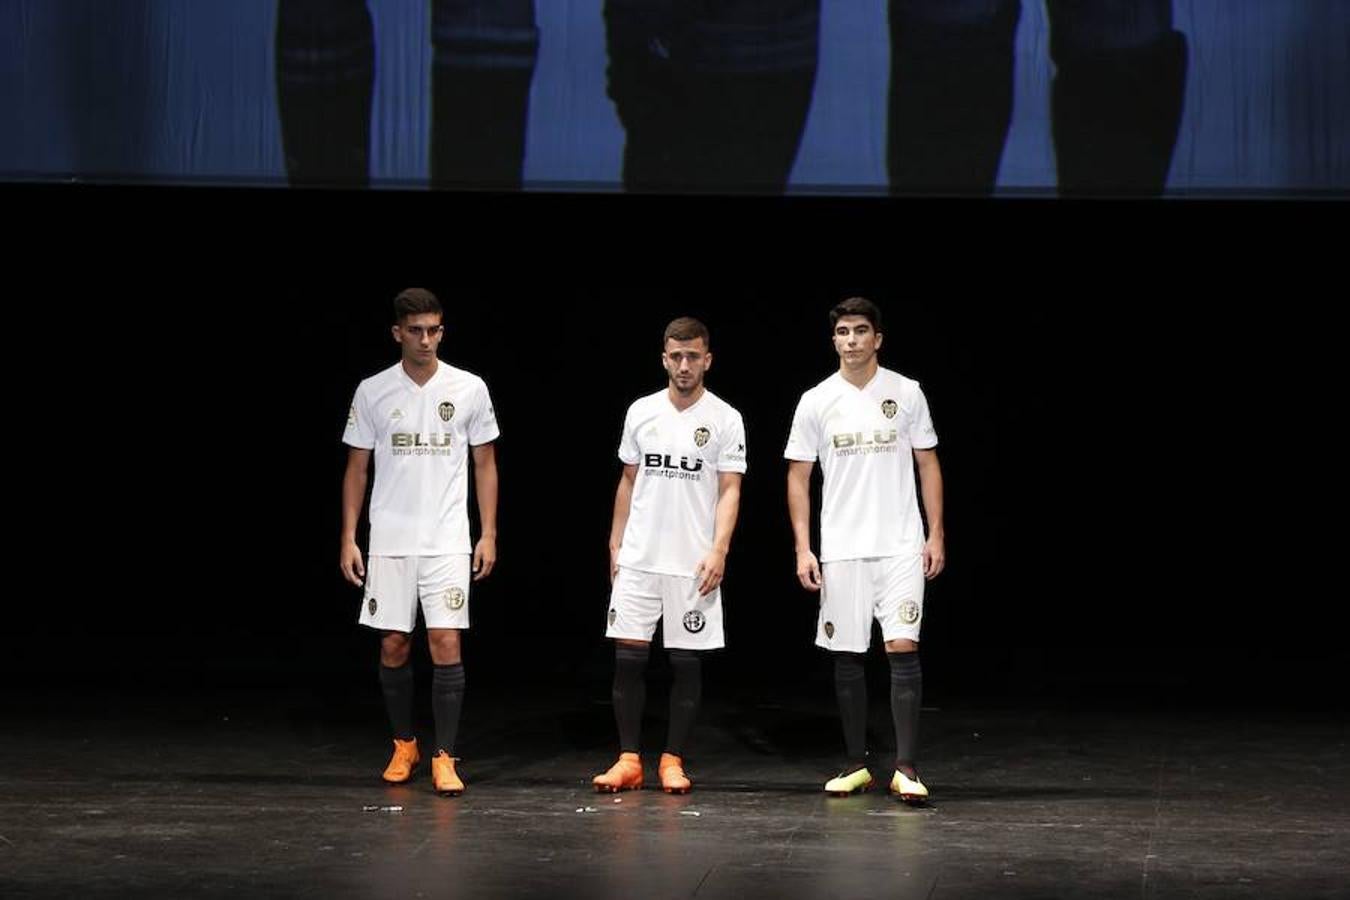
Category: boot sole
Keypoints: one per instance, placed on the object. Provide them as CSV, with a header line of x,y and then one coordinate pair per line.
x,y
916,799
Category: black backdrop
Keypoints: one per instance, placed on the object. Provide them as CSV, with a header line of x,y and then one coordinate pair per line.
x,y
1137,407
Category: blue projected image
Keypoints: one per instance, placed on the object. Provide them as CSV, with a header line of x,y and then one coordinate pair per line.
x,y
762,96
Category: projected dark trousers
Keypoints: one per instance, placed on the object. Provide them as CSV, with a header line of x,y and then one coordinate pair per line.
x,y
1120,72
712,96
325,75
485,53
1120,83
484,58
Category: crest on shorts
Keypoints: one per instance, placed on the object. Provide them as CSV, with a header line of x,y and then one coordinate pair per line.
x,y
371,605
446,411
454,598
701,436
829,629
694,621
889,408
909,612
613,614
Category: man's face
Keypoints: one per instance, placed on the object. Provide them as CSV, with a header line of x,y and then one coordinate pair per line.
x,y
855,340
685,362
419,336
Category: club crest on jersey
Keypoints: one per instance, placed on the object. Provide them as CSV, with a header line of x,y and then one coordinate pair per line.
x,y
909,612
613,614
396,414
454,598
829,629
446,411
694,621
371,605
701,436
889,408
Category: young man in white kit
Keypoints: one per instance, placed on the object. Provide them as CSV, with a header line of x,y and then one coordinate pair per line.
x,y
419,419
683,454
868,427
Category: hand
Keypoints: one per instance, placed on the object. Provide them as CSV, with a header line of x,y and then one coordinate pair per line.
x,y
349,561
934,556
613,562
710,571
808,570
484,557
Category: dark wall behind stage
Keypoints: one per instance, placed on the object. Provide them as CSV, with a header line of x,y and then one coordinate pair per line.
x,y
1128,398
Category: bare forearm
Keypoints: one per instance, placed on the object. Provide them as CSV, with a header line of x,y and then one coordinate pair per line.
x,y
930,482
799,511
728,508
353,496
485,485
623,500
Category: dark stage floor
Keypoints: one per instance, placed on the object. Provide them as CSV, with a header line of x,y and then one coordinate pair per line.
x,y
262,793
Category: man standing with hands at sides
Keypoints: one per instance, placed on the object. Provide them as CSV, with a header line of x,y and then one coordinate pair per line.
x,y
419,418
862,424
683,454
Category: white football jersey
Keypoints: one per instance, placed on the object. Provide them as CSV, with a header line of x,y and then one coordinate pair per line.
x,y
678,454
864,438
421,438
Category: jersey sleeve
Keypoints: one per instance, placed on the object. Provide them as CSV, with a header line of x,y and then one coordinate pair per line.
x,y
922,436
804,436
483,425
731,454
628,446
360,431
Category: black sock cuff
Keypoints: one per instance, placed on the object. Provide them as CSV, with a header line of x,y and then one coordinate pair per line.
x,y
904,666
451,674
626,653
849,666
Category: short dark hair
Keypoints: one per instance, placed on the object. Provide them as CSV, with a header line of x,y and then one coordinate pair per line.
x,y
857,306
686,328
415,302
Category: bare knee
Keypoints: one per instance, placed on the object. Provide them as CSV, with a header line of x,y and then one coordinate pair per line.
x,y
444,644
394,648
902,645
